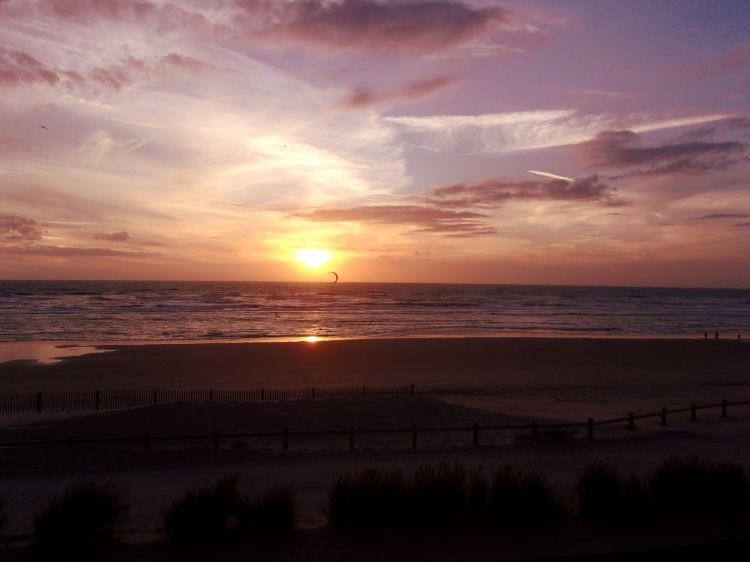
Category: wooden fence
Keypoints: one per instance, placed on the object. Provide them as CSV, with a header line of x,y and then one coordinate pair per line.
x,y
411,433
99,400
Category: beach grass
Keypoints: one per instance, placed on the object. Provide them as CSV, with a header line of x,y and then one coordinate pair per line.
x,y
367,499
521,496
686,487
83,519
202,514
273,513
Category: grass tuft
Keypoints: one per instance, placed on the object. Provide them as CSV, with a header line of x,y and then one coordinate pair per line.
x,y
696,487
521,496
83,519
273,513
202,514
366,499
600,491
437,494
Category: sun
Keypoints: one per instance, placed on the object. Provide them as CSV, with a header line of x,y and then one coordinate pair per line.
x,y
313,257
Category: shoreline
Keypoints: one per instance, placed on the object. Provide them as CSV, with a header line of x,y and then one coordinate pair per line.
x,y
44,351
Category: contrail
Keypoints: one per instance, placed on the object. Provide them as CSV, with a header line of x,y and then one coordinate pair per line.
x,y
548,175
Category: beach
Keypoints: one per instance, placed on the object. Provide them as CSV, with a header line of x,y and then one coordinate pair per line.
x,y
548,377
457,381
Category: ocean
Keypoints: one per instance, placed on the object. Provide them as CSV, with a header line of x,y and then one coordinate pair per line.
x,y
94,311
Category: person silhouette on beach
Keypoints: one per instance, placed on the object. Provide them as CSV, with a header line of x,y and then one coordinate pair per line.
x,y
717,335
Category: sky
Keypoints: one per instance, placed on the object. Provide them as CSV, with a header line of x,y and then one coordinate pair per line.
x,y
578,142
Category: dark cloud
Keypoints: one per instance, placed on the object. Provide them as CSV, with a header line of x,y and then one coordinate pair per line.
x,y
621,149
494,193
723,216
18,68
420,89
426,219
14,228
416,26
121,236
742,224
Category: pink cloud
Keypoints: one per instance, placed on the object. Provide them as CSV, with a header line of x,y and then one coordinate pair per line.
x,y
614,149
160,16
729,62
14,228
121,236
18,68
413,91
382,26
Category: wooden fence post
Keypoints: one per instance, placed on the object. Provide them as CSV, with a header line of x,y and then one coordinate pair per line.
x,y
154,396
414,436
313,393
663,420
591,428
411,390
211,394
38,402
147,440
534,430
693,412
631,421
216,439
364,389
723,408
262,393
285,439
475,431
351,438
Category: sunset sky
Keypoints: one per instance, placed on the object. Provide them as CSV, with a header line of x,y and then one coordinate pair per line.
x,y
217,140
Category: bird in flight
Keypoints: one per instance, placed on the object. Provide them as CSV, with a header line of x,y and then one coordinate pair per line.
x,y
43,127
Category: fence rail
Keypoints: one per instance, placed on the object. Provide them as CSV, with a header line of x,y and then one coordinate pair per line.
x,y
21,403
413,432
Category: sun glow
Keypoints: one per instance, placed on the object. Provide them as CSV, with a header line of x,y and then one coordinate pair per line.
x,y
312,257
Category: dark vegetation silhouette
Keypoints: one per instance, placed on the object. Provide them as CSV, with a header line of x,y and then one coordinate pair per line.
x,y
217,511
86,518
3,517
519,495
699,488
83,520
271,514
367,499
601,491
202,514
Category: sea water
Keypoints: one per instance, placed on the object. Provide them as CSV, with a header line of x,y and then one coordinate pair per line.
x,y
163,311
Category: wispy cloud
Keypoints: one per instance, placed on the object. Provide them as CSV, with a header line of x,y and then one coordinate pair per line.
x,y
413,91
69,252
18,68
426,219
496,133
121,236
728,63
